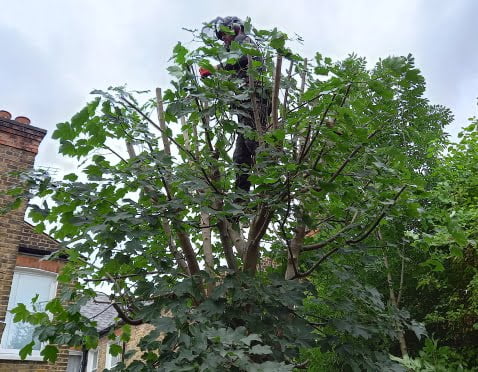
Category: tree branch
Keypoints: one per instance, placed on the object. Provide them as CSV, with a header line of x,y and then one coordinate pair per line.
x,y
256,232
162,121
353,241
350,157
255,109
275,92
324,243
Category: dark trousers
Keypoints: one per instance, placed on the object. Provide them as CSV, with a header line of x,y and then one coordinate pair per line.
x,y
245,150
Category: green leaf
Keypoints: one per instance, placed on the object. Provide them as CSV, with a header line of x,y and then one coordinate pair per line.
x,y
49,353
252,337
165,324
20,313
180,52
26,350
261,350
115,349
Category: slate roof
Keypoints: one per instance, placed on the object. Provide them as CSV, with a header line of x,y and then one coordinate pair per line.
x,y
100,311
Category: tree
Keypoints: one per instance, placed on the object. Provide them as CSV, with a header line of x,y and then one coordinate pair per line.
x,y
446,236
223,274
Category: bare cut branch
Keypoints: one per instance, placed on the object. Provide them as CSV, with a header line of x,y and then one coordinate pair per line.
x,y
176,143
299,141
275,93
286,93
130,104
204,119
162,121
255,108
303,77
130,149
114,153
122,276
207,243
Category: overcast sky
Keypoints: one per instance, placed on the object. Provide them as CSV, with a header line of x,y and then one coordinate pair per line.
x,y
54,52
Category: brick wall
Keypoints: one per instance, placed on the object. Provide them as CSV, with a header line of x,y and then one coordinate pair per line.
x,y
30,239
18,147
137,332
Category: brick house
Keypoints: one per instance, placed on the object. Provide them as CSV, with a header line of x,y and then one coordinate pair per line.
x,y
22,273
101,311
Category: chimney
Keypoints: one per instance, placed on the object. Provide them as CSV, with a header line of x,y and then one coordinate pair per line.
x,y
18,134
18,147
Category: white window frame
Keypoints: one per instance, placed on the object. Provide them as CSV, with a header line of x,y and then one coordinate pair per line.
x,y
89,364
75,353
13,354
109,357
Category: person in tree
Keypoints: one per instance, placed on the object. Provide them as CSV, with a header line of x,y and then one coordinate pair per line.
x,y
231,29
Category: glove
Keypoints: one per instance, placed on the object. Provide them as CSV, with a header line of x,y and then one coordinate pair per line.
x,y
204,72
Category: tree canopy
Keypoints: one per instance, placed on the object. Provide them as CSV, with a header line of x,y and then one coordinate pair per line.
x,y
249,281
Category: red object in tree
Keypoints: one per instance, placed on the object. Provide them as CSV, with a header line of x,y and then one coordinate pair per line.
x,y
204,72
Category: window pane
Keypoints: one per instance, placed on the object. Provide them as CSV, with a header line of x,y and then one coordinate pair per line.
x,y
25,286
74,363
92,361
113,360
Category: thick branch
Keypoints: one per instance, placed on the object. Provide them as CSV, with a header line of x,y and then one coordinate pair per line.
x,y
402,274
286,93
237,239
188,251
172,247
162,121
125,317
275,93
207,244
294,251
256,232
226,244
255,108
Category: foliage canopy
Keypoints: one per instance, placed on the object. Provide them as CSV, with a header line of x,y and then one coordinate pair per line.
x,y
234,280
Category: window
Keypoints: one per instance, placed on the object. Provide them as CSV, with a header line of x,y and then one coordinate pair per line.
x,y
92,365
111,360
74,361
26,284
